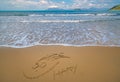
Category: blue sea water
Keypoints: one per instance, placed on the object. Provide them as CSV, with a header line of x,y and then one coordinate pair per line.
x,y
21,29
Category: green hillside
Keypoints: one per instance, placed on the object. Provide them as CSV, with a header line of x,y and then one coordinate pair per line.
x,y
117,7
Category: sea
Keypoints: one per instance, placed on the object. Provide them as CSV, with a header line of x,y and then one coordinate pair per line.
x,y
20,29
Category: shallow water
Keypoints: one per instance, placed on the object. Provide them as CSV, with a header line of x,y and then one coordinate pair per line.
x,y
82,29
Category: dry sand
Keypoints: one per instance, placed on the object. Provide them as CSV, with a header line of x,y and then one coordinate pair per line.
x,y
60,64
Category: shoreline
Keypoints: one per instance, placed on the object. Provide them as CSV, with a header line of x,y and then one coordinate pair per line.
x,y
60,45
60,64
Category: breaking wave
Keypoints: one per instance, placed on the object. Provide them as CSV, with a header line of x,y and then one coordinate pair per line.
x,y
92,14
99,33
31,29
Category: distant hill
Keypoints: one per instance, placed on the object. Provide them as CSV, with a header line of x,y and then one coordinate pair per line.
x,y
76,9
52,9
117,7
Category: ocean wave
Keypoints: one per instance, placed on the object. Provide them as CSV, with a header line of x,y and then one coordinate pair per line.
x,y
67,21
55,21
58,14
35,15
20,32
64,15
88,14
107,14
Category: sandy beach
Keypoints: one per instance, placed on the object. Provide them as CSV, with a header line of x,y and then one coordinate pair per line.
x,y
60,64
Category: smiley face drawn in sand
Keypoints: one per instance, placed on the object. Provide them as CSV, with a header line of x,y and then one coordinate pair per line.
x,y
47,64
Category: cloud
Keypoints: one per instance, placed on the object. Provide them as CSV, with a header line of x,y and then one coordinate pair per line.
x,y
39,4
89,4
44,4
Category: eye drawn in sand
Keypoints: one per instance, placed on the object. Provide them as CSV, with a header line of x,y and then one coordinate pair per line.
x,y
47,64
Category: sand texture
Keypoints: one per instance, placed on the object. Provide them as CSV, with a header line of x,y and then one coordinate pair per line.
x,y
60,64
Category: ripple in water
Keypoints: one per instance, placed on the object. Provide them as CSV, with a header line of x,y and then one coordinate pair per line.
x,y
87,33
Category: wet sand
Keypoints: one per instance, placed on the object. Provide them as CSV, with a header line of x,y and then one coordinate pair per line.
x,y
60,64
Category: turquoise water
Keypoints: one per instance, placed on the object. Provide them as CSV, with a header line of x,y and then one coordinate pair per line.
x,y
20,29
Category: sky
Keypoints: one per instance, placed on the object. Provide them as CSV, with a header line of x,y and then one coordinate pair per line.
x,y
62,4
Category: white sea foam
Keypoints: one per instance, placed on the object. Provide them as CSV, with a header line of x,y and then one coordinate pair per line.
x,y
106,14
67,45
69,14
35,15
48,21
50,29
63,15
59,15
